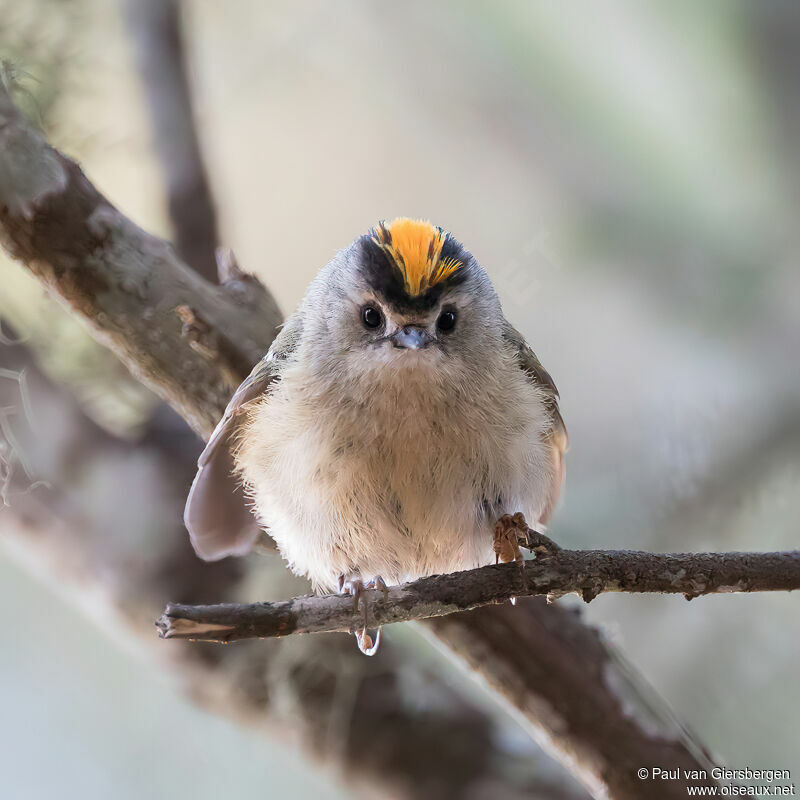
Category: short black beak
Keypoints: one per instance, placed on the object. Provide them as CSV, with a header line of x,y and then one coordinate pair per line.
x,y
411,337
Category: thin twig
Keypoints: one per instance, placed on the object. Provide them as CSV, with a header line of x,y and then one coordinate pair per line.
x,y
587,572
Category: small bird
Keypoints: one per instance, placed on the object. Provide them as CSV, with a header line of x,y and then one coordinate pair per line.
x,y
395,419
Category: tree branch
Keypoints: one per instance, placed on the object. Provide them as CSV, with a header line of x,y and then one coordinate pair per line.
x,y
555,673
575,694
190,341
157,34
587,572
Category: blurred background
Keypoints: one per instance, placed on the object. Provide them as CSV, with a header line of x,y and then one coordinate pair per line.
x,y
628,173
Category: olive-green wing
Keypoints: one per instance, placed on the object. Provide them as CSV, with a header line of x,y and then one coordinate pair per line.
x,y
217,515
556,436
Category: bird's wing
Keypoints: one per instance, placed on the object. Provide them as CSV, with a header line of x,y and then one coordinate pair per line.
x,y
217,516
556,436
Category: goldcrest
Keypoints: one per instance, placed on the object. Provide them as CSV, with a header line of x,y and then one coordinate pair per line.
x,y
395,418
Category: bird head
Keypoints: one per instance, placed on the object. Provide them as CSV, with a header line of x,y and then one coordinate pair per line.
x,y
407,295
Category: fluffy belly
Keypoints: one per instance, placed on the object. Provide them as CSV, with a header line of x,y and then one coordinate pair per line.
x,y
396,499
338,535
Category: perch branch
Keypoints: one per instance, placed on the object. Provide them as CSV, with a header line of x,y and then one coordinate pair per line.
x,y
587,572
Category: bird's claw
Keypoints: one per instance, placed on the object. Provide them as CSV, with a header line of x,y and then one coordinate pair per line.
x,y
507,543
380,584
513,533
352,585
507,540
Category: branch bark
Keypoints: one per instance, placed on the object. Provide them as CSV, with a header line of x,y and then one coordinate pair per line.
x,y
576,696
127,286
191,342
158,39
587,572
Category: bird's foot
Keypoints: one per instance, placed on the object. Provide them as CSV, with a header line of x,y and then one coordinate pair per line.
x,y
352,585
507,544
512,532
378,583
507,540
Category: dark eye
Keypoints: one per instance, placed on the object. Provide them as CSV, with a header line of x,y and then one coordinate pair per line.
x,y
446,321
371,317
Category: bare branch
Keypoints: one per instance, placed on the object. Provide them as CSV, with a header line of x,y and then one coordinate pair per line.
x,y
127,285
160,55
576,695
587,572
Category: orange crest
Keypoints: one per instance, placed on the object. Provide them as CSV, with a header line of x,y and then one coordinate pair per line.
x,y
415,246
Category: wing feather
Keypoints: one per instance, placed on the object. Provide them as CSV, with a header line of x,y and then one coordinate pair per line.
x,y
217,516
556,436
